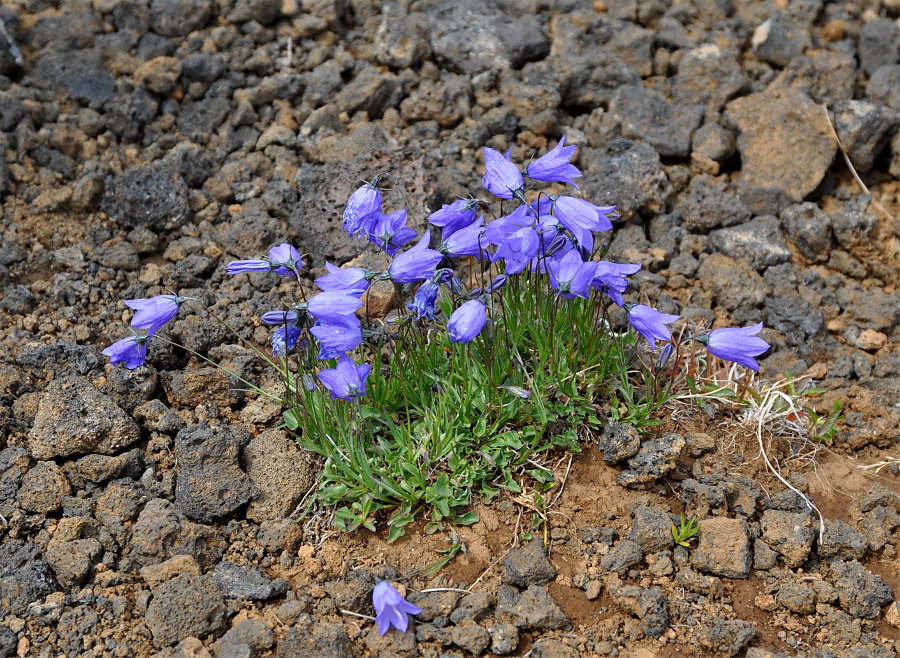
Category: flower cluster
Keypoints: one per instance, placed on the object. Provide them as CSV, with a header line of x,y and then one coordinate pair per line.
x,y
152,314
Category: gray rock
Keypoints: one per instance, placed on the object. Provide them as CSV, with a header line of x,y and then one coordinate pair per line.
x,y
790,534
43,488
130,388
622,557
433,604
695,582
205,67
402,645
550,648
879,45
372,91
210,483
713,142
594,77
178,18
527,565
471,637
701,499
319,640
161,532
354,591
877,525
73,627
74,417
652,529
708,75
727,636
626,174
504,638
24,577
399,40
842,541
732,283
472,607
884,86
446,101
781,39
264,12
198,120
655,459
153,196
649,605
157,417
724,548
72,560
797,319
646,115
618,442
860,592
61,358
707,205
764,558
798,598
188,605
786,147
9,641
11,61
250,635
827,76
759,242
281,471
18,300
864,128
472,37
250,582
533,609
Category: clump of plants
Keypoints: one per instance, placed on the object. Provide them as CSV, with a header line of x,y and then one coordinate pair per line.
x,y
503,347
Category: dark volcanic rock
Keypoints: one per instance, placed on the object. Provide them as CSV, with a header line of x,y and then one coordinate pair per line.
x,y
316,640
618,442
727,636
627,175
655,459
8,642
649,605
535,608
861,593
24,577
646,115
153,195
210,482
789,534
61,357
708,75
652,529
708,205
864,128
622,557
879,44
251,582
842,541
161,532
178,18
724,548
732,283
74,417
43,488
798,598
528,565
759,242
72,560
185,606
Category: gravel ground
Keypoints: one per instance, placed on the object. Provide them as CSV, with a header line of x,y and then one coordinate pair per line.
x,y
146,143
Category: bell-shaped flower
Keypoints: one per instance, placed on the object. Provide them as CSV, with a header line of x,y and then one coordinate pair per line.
x,y
572,212
337,338
347,381
501,177
154,312
363,207
650,323
390,232
424,300
335,306
610,279
285,338
391,609
468,241
351,280
518,249
283,260
555,166
467,321
570,275
735,344
455,216
416,264
279,317
130,351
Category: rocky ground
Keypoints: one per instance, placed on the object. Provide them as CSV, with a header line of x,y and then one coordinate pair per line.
x,y
147,142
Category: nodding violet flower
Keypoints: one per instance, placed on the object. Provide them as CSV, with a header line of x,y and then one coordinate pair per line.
x,y
650,323
501,177
353,280
468,241
336,338
573,212
154,312
362,209
347,381
391,609
571,276
610,279
283,260
416,264
739,345
285,338
331,307
130,351
555,165
390,232
454,216
467,321
424,299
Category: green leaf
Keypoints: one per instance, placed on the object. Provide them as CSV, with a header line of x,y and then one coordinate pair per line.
x,y
290,420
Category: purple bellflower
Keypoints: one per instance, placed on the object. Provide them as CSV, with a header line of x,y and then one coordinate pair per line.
x,y
468,241
610,279
424,300
283,260
572,211
390,232
455,216
334,307
555,165
154,312
336,338
391,609
362,209
570,275
130,351
501,177
467,321
279,317
347,381
351,280
739,345
416,264
518,249
285,338
650,323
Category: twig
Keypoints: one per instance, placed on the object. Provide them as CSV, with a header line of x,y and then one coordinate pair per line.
x,y
444,589
356,614
563,485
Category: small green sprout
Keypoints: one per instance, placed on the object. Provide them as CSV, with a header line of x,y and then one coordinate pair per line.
x,y
685,531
